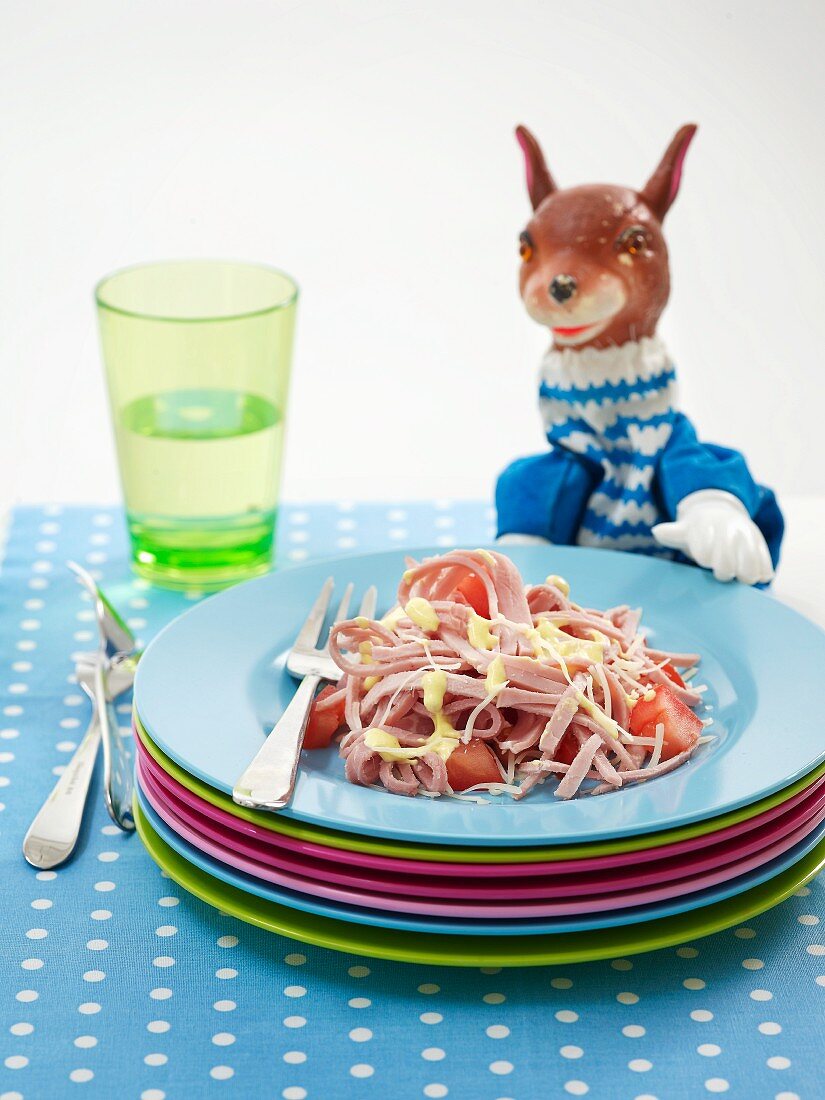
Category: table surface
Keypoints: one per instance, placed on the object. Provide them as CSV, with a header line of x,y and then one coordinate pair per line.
x,y
118,983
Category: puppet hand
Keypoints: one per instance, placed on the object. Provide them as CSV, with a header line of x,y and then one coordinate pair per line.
x,y
522,540
714,528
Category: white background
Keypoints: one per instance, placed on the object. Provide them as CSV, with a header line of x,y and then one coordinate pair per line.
x,y
367,148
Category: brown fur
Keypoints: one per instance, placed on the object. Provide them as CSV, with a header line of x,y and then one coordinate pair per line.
x,y
604,247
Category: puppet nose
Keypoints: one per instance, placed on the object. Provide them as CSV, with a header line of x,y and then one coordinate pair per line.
x,y
562,288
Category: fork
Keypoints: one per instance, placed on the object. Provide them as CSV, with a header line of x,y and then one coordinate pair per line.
x,y
268,782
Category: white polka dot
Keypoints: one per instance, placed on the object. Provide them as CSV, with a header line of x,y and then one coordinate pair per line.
x,y
498,1031
359,1002
622,964
398,533
223,1039
761,995
501,1068
30,624
435,1090
489,970
299,517
294,1021
433,1054
633,1031
37,933
160,994
576,1088
162,961
298,536
431,1017
752,964
693,983
167,903
4,781
701,1015
815,949
166,930
85,1042
80,1076
225,973
94,976
779,1096
294,1092
295,991
345,542
100,914
156,1059
360,1034
686,952
808,919
97,945
717,1084
72,700
295,1057
627,998
158,1027
567,1017
227,941
21,1029
21,666
18,689
108,857
9,734
104,887
571,1052
26,995
358,971
89,1008
13,711
770,1028
66,746
224,1006
708,1050
427,988
153,1094
41,903
494,998
361,1070
221,1073
295,959
639,1065
778,1062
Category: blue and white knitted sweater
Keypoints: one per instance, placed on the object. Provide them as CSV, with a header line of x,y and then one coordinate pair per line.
x,y
621,456
614,406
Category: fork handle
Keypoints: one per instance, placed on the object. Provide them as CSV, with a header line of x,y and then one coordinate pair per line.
x,y
53,834
268,782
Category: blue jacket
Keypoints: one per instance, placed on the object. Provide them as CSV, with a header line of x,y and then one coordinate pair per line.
x,y
548,494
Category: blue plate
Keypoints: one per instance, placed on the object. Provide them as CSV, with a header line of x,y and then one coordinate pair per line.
x,y
212,684
453,926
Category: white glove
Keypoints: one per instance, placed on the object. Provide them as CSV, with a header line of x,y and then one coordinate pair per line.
x,y
714,528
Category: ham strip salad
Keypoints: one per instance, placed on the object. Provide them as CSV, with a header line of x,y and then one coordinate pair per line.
x,y
478,683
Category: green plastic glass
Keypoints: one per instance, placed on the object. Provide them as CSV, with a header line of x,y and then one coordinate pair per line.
x,y
198,356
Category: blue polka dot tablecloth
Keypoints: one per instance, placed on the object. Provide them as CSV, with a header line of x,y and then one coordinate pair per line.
x,y
118,984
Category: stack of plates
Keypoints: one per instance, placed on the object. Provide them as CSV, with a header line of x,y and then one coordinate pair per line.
x,y
728,835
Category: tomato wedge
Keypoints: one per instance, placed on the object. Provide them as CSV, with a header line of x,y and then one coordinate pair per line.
x,y
567,749
683,728
470,764
473,590
324,722
671,674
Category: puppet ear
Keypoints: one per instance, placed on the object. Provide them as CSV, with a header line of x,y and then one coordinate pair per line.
x,y
539,181
662,187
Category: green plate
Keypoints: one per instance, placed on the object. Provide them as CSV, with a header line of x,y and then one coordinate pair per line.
x,y
445,854
434,950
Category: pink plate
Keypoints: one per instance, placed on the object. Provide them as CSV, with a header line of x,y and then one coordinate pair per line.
x,y
544,887
332,864
468,908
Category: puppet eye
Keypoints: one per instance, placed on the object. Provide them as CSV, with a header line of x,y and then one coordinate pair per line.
x,y
633,240
525,247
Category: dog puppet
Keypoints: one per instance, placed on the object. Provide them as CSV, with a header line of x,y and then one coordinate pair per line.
x,y
625,469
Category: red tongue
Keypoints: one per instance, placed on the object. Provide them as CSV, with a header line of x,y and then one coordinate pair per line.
x,y
571,331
